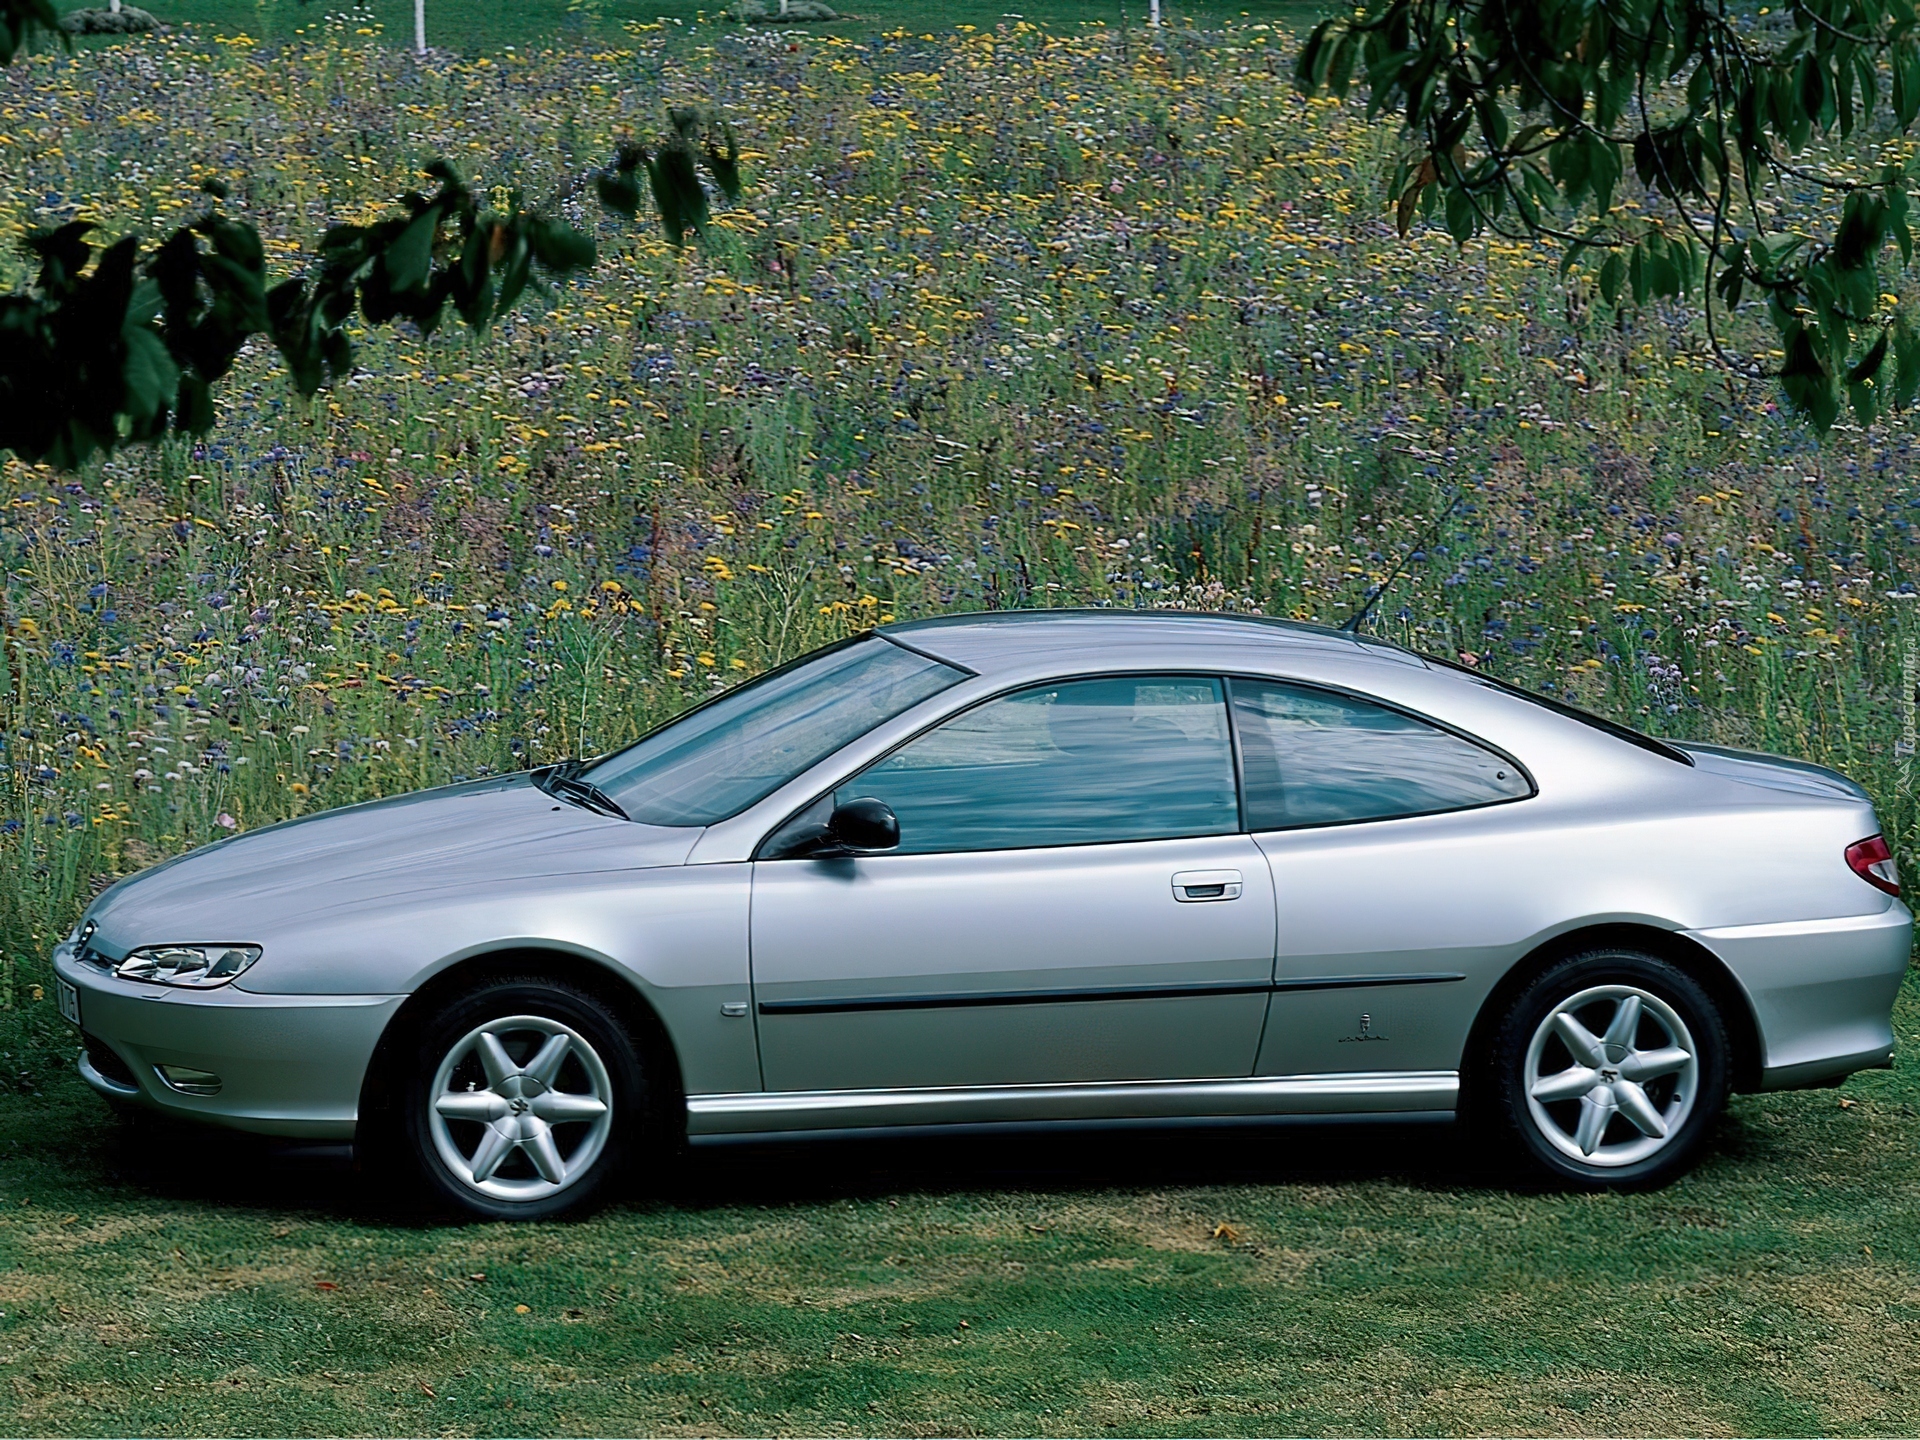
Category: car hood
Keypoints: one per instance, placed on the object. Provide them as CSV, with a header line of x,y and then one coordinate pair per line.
x,y
484,832
1773,772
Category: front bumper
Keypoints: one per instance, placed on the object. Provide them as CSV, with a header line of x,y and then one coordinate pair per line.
x,y
288,1064
1822,990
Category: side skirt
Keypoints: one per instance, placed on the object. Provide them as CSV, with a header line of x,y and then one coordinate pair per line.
x,y
1397,1093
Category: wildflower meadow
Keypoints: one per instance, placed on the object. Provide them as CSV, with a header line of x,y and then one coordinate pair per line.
x,y
1008,316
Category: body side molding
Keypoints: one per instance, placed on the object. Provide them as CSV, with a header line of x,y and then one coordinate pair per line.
x,y
971,999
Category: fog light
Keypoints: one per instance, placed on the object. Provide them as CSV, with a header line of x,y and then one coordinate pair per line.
x,y
190,1082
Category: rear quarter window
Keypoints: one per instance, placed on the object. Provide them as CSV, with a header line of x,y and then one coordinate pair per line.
x,y
1319,757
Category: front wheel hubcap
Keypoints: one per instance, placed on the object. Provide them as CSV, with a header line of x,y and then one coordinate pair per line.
x,y
1611,1075
520,1108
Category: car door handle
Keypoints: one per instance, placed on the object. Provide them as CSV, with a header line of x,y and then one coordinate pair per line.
x,y
1195,885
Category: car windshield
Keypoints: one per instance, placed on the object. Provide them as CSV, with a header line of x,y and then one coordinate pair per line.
x,y
742,746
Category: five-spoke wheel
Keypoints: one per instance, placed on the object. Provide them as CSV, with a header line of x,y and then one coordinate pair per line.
x,y
526,1096
1611,1067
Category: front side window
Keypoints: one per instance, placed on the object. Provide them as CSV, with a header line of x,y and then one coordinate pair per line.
x,y
1314,757
740,748
1088,761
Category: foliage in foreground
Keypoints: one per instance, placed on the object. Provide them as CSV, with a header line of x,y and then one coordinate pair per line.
x,y
1518,113
127,350
24,21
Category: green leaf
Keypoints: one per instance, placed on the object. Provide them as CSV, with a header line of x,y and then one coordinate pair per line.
x,y
1808,386
515,271
619,191
1493,123
1309,70
1569,159
1663,275
1864,402
1897,206
1526,137
723,162
408,259
1611,274
677,192
1868,365
193,406
1862,223
559,246
1733,283
149,377
1906,354
1340,68
1603,169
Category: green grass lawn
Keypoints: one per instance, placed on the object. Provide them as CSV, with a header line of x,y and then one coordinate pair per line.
x,y
492,25
1347,1280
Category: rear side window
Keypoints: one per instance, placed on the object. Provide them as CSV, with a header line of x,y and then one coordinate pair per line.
x,y
1315,757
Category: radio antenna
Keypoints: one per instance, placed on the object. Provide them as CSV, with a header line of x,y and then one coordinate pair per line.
x,y
1359,617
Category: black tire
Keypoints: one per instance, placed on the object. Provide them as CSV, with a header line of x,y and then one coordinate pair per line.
x,y
1548,1134
609,1067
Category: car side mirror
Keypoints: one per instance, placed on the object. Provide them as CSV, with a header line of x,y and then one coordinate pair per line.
x,y
861,826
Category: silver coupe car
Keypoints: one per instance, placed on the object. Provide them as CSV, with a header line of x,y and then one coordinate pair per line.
x,y
1021,869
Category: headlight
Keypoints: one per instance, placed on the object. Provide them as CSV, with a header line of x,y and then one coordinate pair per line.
x,y
199,966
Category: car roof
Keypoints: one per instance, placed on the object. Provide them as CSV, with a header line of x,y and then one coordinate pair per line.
x,y
1003,639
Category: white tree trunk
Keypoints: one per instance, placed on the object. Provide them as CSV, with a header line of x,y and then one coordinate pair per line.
x,y
1153,12
114,6
419,26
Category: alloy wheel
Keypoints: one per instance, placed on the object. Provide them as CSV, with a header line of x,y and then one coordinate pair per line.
x,y
1611,1075
520,1108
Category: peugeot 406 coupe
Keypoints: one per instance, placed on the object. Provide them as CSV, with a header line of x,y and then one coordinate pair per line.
x,y
1018,870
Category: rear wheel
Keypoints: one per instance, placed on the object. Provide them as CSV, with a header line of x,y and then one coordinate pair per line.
x,y
525,1098
1611,1069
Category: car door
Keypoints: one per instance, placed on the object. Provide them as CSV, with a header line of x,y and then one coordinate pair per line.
x,y
1072,901
1391,839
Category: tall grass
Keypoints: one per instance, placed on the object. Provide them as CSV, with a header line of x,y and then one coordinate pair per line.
x,y
1009,319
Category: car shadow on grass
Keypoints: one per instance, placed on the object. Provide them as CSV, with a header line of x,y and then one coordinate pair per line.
x,y
214,1167
1067,1160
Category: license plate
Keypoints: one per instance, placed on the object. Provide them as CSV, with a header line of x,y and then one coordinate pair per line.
x,y
69,1000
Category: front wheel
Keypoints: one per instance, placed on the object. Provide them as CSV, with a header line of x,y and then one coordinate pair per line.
x,y
524,1099
1610,1070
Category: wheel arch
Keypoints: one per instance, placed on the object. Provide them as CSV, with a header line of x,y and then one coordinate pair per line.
x,y
1689,955
596,977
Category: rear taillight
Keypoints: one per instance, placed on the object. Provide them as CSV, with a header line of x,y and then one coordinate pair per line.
x,y
1872,861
